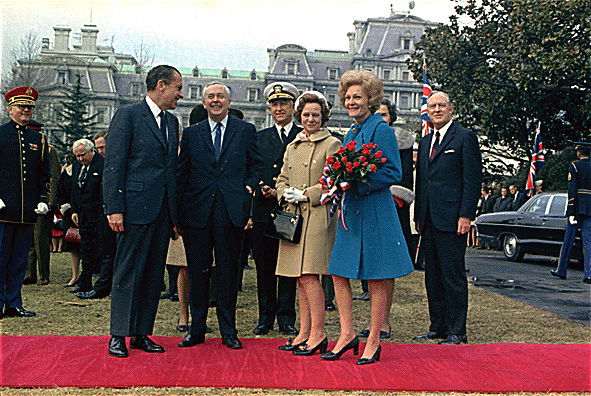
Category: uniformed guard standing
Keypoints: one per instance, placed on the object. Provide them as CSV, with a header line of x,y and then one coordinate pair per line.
x,y
276,295
579,202
24,185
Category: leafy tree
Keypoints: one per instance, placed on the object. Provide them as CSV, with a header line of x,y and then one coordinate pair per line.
x,y
76,121
510,63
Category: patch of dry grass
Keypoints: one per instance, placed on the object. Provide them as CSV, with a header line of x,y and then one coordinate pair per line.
x,y
492,318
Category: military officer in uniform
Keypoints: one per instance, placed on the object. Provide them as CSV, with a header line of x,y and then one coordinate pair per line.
x,y
578,209
276,294
24,185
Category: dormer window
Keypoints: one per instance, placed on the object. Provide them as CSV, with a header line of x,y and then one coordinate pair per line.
x,y
61,77
195,71
333,74
290,68
225,73
253,75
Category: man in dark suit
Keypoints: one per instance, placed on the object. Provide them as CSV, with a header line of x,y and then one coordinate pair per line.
x,y
219,167
487,202
447,185
139,190
87,176
107,246
24,178
518,197
504,202
276,294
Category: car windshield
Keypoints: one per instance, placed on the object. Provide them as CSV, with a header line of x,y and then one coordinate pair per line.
x,y
558,206
539,205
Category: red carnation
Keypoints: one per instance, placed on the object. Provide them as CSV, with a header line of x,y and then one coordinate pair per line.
x,y
372,168
365,163
344,159
348,164
378,154
330,160
384,160
355,164
351,145
336,165
341,150
362,158
349,170
365,152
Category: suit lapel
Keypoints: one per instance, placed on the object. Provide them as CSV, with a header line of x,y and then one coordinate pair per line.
x,y
151,122
275,142
205,132
228,135
449,135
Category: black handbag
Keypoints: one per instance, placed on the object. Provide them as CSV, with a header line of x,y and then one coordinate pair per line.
x,y
285,226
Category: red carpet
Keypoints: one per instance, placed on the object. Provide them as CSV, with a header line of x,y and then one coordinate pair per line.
x,y
58,361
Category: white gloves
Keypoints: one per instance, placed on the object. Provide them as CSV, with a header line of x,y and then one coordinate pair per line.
x,y
293,195
571,219
42,208
2,204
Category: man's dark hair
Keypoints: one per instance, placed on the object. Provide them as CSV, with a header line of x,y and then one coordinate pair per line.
x,y
160,72
584,150
391,110
100,134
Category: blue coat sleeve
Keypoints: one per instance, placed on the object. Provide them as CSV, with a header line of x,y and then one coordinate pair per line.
x,y
391,172
120,134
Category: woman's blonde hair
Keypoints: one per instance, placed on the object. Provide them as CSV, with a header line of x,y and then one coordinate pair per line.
x,y
371,84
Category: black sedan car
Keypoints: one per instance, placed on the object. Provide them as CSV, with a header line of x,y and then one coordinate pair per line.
x,y
536,228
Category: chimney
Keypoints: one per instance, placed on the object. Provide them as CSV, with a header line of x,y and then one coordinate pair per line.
x,y
62,38
45,43
89,33
352,48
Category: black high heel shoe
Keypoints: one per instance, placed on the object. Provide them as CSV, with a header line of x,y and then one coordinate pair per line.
x,y
292,347
373,359
322,347
353,344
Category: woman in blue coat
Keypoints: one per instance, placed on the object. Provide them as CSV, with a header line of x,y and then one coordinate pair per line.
x,y
373,248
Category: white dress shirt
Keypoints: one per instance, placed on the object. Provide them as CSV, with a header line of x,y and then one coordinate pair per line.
x,y
287,130
442,133
212,125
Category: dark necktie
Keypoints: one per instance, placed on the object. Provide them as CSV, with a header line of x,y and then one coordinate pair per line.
x,y
435,145
217,140
82,176
282,135
162,116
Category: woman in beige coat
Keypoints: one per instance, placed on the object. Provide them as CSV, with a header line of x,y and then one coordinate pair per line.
x,y
298,185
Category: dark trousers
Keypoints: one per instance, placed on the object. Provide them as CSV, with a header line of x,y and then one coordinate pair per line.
x,y
328,287
445,279
39,253
137,275
276,294
89,255
107,250
221,238
15,242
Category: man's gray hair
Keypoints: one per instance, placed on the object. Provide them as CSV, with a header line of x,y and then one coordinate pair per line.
x,y
443,93
87,144
226,89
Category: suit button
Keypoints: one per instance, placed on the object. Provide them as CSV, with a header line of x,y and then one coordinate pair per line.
x,y
274,165
357,212
305,208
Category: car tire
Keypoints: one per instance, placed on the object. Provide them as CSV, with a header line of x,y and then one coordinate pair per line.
x,y
511,248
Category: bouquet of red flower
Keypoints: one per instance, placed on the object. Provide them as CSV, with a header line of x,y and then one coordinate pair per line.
x,y
346,166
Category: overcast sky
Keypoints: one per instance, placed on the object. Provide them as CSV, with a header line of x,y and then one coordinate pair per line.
x,y
211,34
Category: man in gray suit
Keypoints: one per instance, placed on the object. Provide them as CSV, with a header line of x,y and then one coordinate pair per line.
x,y
140,204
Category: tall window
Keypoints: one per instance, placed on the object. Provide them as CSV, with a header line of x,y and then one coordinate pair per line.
x,y
253,75
61,77
333,74
290,68
386,74
194,91
404,101
224,73
135,89
103,115
406,43
252,95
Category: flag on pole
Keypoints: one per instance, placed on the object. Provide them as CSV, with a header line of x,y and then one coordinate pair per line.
x,y
537,159
426,124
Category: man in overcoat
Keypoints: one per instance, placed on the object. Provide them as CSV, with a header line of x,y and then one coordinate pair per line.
x,y
139,190
447,191
276,294
219,168
24,189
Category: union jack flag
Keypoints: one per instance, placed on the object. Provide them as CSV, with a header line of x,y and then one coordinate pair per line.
x,y
426,124
537,159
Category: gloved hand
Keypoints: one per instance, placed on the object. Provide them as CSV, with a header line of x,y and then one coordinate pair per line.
x,y
2,204
293,195
571,219
64,208
42,208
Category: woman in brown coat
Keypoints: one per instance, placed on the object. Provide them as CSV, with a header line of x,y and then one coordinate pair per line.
x,y
298,185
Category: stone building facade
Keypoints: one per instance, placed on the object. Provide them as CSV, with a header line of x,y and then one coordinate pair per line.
x,y
381,45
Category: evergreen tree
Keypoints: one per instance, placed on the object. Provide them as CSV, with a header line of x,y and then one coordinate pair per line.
x,y
76,120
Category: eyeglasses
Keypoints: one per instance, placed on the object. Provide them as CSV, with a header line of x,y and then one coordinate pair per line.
x,y
25,107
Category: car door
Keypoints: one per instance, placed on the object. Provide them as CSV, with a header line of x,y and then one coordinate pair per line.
x,y
529,222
